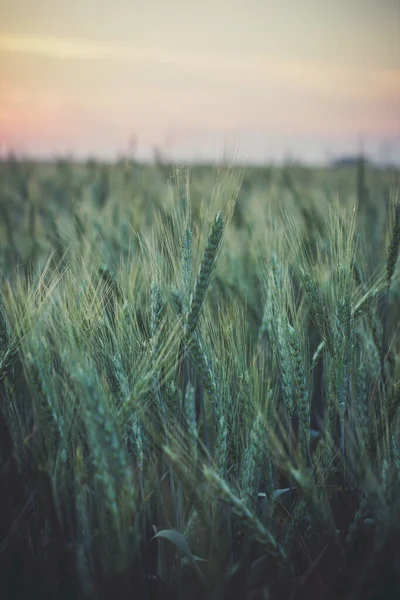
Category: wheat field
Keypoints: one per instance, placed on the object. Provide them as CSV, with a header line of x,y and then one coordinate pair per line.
x,y
199,382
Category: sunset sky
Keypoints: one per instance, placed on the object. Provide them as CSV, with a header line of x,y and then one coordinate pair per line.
x,y
266,78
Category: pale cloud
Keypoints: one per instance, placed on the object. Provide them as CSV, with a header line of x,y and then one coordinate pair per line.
x,y
65,48
68,48
312,75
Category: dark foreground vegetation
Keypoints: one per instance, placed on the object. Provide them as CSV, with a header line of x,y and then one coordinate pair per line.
x,y
199,383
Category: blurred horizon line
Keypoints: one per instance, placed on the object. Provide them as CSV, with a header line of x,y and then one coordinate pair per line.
x,y
340,160
382,151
